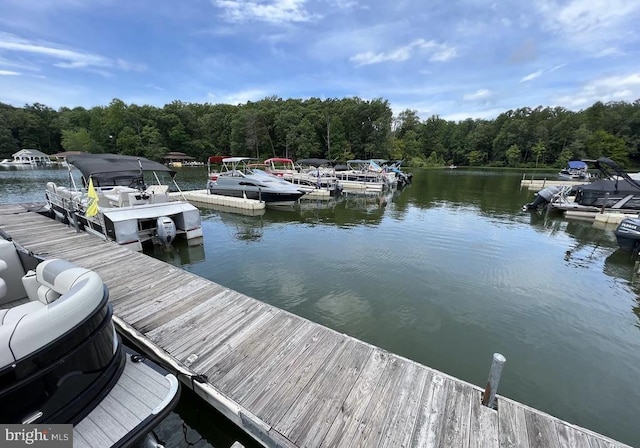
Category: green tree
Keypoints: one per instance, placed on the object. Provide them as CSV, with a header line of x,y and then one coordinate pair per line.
x,y
605,144
477,158
513,155
79,140
539,150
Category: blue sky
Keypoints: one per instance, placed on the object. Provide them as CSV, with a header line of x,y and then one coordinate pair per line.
x,y
452,58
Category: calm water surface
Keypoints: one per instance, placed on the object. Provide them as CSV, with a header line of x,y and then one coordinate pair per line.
x,y
445,272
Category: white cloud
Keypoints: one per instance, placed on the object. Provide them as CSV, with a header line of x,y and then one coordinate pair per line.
x,y
72,58
240,97
440,52
531,76
480,94
68,57
8,73
274,11
596,23
611,88
17,64
486,114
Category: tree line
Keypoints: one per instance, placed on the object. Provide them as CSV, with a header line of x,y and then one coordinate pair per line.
x,y
339,129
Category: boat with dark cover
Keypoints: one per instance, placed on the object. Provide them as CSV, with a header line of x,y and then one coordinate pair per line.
x,y
128,211
613,189
60,355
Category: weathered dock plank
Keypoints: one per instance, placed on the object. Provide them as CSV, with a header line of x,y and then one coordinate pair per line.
x,y
430,415
287,381
351,413
484,424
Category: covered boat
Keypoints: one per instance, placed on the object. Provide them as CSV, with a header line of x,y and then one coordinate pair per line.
x,y
575,170
61,360
116,202
238,179
614,189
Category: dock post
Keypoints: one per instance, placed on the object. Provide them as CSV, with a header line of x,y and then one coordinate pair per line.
x,y
489,396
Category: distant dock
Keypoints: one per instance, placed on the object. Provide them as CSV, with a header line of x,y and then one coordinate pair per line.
x,y
285,380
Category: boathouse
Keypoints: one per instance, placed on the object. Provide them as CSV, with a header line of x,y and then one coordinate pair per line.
x,y
31,156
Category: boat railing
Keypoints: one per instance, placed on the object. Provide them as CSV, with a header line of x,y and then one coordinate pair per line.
x,y
562,196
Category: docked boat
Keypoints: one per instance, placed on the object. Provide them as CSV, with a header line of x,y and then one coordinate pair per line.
x,y
363,175
575,170
118,205
400,178
310,175
614,189
238,179
61,360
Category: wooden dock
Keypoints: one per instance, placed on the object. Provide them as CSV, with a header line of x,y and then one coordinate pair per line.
x,y
285,380
539,184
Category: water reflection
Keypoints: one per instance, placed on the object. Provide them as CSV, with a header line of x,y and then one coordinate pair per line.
x,y
179,254
446,272
346,211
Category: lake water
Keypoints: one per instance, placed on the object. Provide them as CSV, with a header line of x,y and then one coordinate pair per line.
x,y
445,272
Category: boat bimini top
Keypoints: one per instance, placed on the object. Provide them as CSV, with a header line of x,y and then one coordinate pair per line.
x,y
115,169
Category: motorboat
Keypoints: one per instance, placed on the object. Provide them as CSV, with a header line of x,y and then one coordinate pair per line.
x,y
309,175
61,360
575,170
628,234
363,175
613,189
400,178
116,203
238,179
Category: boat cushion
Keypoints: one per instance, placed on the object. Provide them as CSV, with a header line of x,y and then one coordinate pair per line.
x,y
12,273
47,295
58,275
9,320
27,328
3,284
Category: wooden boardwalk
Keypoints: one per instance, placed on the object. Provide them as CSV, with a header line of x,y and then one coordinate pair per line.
x,y
288,381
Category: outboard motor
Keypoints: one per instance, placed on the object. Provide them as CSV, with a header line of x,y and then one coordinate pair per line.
x,y
543,197
165,230
628,234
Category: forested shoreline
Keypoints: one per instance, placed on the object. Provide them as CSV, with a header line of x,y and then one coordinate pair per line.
x,y
338,129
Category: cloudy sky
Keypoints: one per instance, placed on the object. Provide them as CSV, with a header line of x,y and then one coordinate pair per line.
x,y
453,58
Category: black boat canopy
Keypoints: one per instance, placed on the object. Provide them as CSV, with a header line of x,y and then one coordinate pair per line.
x,y
110,169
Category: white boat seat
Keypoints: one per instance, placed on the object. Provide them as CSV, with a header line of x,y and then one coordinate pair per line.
x,y
56,277
69,295
11,272
9,320
119,196
3,284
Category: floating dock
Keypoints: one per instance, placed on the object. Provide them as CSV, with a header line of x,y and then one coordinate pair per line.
x,y
285,380
539,184
204,197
